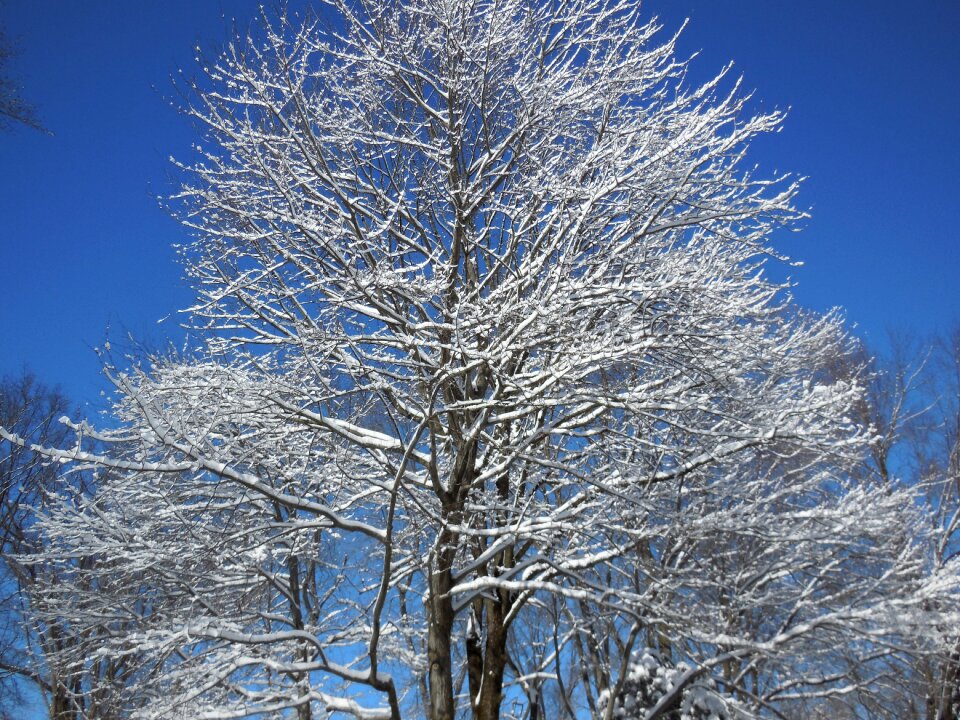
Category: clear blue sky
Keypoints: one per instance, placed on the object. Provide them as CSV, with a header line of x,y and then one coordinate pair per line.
x,y
872,87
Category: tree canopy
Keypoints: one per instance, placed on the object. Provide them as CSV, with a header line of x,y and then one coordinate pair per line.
x,y
492,401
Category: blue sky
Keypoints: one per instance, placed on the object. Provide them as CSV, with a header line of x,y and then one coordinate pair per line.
x,y
85,250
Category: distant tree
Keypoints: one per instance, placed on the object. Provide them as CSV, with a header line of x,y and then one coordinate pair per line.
x,y
912,406
32,410
937,458
494,398
40,648
14,109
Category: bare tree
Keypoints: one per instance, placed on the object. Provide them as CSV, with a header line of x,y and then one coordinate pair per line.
x,y
42,657
14,109
487,344
31,410
937,453
912,405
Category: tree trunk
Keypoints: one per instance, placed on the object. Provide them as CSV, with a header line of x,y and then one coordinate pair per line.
x,y
486,661
494,662
949,687
474,646
439,630
60,705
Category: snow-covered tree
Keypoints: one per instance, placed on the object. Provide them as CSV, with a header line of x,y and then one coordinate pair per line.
x,y
29,409
650,682
913,401
41,657
940,467
491,391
